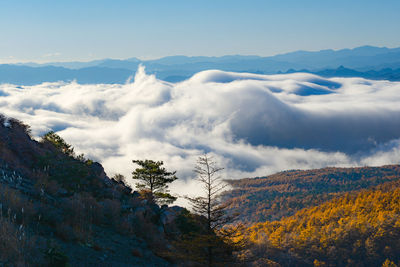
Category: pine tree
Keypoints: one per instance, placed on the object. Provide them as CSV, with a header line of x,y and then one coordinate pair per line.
x,y
154,179
59,143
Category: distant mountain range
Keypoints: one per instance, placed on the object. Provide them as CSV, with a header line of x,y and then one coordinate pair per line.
x,y
366,61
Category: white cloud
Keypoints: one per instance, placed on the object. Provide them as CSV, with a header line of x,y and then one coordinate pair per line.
x,y
254,124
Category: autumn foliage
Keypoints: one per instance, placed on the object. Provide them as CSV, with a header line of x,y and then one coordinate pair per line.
x,y
359,228
285,193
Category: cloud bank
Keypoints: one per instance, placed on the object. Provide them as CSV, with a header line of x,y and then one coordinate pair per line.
x,y
254,125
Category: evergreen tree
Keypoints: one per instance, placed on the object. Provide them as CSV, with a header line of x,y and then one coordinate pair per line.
x,y
154,179
59,143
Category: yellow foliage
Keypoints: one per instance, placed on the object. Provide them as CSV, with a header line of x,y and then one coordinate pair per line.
x,y
356,228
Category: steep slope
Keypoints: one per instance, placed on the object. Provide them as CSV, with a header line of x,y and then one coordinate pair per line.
x,y
58,208
284,193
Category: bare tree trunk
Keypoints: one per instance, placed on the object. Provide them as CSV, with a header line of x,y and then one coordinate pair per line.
x,y
209,205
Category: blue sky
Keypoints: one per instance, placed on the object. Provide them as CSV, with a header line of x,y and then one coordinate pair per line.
x,y
63,30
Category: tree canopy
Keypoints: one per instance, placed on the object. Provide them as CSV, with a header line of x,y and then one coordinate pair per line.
x,y
59,143
360,229
154,178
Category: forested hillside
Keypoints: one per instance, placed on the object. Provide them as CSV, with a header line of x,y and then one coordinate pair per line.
x,y
356,229
284,193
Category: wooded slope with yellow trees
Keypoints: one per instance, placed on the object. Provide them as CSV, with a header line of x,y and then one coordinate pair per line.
x,y
359,229
283,194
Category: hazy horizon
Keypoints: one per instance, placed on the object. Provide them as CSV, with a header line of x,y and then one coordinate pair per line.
x,y
195,55
44,31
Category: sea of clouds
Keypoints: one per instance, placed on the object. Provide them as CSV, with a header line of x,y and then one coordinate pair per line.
x,y
253,125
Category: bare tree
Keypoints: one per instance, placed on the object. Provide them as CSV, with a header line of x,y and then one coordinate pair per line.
x,y
210,205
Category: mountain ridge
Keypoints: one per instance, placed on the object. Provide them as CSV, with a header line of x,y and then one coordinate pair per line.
x,y
366,50
366,62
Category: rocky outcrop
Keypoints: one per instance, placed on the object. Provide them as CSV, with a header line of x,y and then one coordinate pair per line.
x,y
100,222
